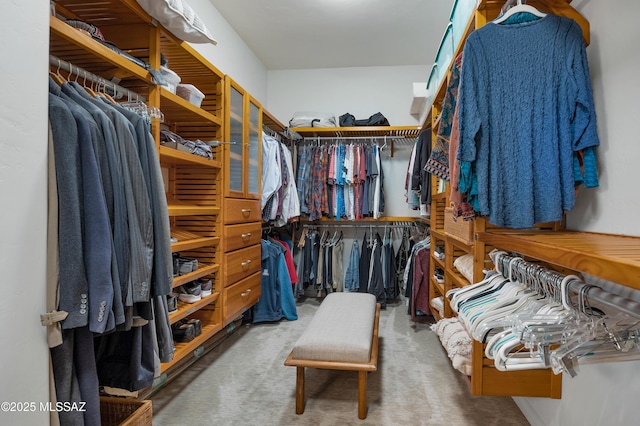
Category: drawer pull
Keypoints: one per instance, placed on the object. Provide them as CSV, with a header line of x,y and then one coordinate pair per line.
x,y
246,263
246,293
246,237
246,212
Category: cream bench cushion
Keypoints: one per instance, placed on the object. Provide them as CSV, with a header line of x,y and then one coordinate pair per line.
x,y
340,330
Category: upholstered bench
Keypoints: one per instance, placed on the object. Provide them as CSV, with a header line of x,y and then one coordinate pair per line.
x,y
342,335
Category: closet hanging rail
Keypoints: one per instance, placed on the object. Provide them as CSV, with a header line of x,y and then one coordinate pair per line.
x,y
576,286
118,91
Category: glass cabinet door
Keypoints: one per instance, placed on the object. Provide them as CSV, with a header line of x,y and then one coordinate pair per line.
x,y
255,141
236,119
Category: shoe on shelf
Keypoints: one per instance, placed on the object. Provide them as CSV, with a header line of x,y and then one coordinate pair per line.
x,y
173,240
197,325
438,274
172,302
190,292
205,286
186,265
183,332
439,252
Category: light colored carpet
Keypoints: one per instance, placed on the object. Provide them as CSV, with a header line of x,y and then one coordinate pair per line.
x,y
243,381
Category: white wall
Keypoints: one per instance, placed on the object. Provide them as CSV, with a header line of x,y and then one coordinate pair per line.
x,y
359,91
23,179
606,393
231,55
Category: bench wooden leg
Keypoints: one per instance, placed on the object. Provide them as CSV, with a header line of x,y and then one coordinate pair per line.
x,y
299,390
362,395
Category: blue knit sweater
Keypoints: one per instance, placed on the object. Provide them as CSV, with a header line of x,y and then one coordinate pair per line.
x,y
525,108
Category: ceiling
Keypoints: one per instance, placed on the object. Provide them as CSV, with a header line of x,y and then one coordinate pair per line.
x,y
299,34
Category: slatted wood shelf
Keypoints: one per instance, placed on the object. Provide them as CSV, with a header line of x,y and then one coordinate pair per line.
x,y
180,158
80,49
177,208
186,309
180,110
612,257
104,12
202,271
189,240
184,350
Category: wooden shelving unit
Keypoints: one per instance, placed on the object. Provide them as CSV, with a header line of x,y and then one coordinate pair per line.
x,y
485,379
194,184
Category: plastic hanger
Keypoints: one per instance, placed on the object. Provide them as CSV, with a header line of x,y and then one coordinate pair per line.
x,y
519,8
57,77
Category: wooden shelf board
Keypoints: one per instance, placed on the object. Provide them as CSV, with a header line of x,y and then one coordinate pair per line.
x,y
459,280
363,131
459,244
612,257
200,272
382,220
104,12
186,309
72,45
272,122
180,158
438,233
179,110
178,208
183,350
194,243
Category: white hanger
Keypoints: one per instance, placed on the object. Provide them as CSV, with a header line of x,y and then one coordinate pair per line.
x,y
519,8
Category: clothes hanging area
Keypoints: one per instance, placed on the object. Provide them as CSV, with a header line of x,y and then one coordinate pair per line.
x,y
108,323
341,180
356,257
532,317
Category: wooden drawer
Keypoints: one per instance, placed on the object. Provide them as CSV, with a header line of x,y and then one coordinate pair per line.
x,y
241,236
241,263
240,211
241,296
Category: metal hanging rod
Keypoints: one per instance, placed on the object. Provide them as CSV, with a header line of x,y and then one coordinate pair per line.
x,y
118,91
367,138
590,291
361,224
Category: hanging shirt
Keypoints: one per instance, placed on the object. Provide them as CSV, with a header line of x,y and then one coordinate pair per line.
x,y
517,157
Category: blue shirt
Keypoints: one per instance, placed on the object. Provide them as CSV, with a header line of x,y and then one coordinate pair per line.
x,y
525,107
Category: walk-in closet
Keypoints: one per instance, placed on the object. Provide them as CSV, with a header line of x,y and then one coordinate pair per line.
x,y
223,212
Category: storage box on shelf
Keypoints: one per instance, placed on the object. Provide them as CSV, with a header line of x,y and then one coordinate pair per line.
x,y
457,228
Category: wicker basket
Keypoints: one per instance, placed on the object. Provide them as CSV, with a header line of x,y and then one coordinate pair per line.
x,y
461,230
125,412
